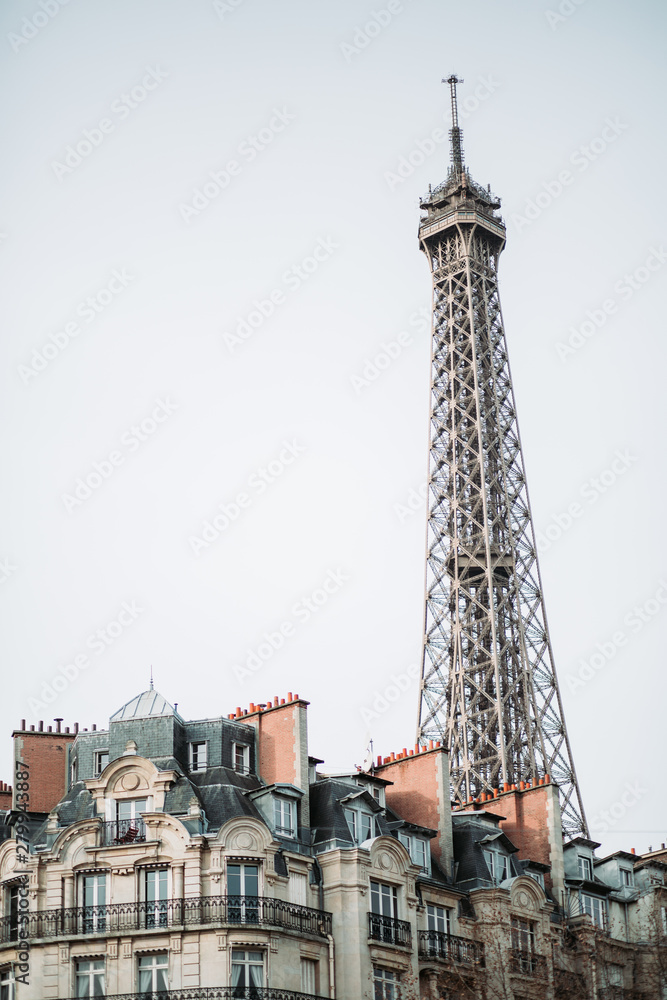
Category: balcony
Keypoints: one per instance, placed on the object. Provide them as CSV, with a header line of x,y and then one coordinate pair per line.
x,y
84,921
389,930
528,963
450,948
217,993
123,831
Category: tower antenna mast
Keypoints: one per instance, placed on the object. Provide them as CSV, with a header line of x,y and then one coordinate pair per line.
x,y
455,134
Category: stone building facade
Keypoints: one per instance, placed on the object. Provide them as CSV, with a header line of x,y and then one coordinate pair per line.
x,y
210,859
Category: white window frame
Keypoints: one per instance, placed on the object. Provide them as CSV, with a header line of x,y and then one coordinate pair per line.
x,y
385,983
385,897
96,971
418,848
498,865
241,750
439,918
157,909
96,761
7,984
537,876
156,962
198,757
94,920
247,963
585,867
361,824
284,808
594,906
522,934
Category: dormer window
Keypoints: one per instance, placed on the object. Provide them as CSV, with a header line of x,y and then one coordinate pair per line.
x,y
585,867
627,877
101,761
498,865
198,756
418,849
538,876
284,816
241,757
361,825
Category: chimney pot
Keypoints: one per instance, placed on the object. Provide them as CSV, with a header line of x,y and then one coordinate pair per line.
x,y
32,729
379,760
296,697
66,729
48,729
41,726
282,701
430,744
275,701
94,727
289,696
632,850
23,724
57,721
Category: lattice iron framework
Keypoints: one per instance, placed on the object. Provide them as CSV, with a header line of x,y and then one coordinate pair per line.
x,y
489,689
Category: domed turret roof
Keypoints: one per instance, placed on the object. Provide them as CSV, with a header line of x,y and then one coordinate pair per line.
x,y
147,705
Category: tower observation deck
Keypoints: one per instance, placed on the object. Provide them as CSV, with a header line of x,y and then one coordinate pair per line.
x,y
489,689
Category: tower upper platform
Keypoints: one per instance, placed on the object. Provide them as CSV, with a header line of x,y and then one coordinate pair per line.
x,y
460,199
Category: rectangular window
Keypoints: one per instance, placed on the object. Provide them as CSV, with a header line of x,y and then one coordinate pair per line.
x,y
155,896
198,756
498,865
247,970
351,817
7,984
129,824
594,907
153,972
283,817
361,824
12,905
90,978
101,761
627,876
309,977
538,876
243,892
298,888
438,918
585,868
417,848
383,899
523,935
94,899
241,757
385,984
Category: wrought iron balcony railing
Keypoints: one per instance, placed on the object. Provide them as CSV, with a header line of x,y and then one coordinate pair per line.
x,y
201,910
389,930
217,993
123,831
450,948
528,963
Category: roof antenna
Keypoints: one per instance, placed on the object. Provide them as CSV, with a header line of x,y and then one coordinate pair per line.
x,y
455,131
151,676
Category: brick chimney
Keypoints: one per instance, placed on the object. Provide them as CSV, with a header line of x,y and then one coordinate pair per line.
x,y
45,753
282,744
5,796
420,794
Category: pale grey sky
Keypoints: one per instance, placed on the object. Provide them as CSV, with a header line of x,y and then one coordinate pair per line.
x,y
176,170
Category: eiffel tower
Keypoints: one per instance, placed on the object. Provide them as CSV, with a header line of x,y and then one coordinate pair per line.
x,y
489,689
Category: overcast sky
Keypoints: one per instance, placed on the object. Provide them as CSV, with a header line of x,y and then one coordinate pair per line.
x,y
216,366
